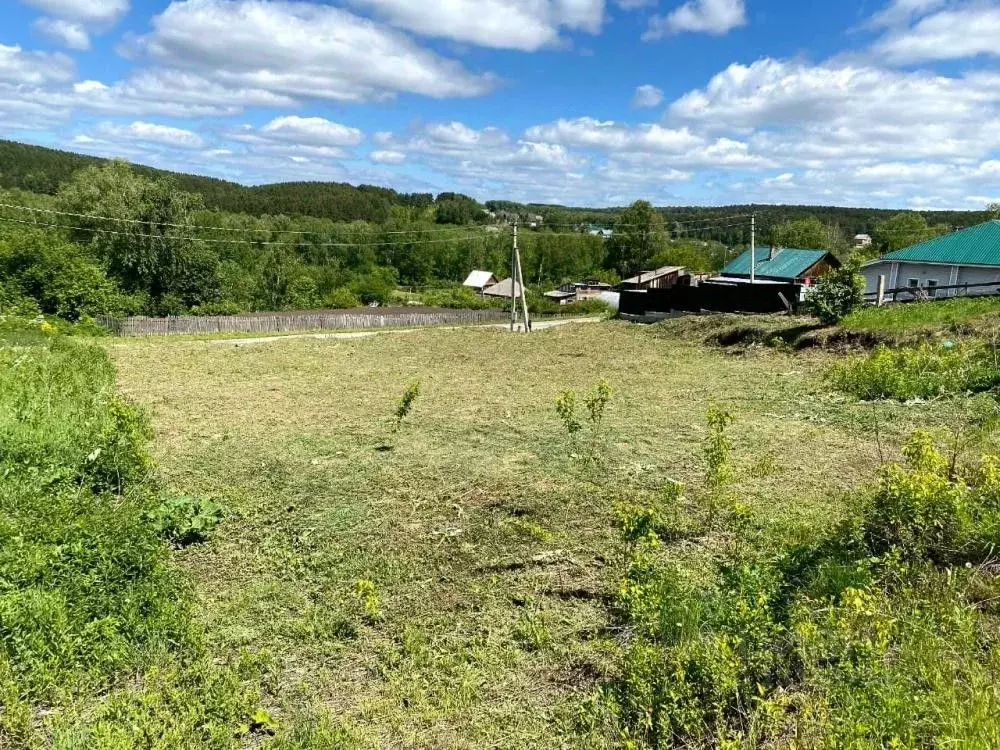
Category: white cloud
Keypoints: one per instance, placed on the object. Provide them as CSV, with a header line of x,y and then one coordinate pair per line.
x,y
903,11
89,87
706,16
507,24
33,68
805,114
67,33
949,35
148,132
647,96
300,50
299,137
387,157
96,12
312,131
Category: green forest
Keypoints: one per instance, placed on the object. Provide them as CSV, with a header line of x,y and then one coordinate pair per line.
x,y
82,237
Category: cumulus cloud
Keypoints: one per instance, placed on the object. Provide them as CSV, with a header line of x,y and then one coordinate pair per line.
x,y
70,22
148,132
715,17
383,156
96,12
948,35
67,33
903,11
505,24
299,138
647,96
312,131
300,50
814,113
34,68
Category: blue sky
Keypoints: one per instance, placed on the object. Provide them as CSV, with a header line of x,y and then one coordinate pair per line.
x,y
892,103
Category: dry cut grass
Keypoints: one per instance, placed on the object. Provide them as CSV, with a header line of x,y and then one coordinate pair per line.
x,y
486,531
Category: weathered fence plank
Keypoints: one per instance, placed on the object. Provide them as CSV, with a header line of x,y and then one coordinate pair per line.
x,y
292,322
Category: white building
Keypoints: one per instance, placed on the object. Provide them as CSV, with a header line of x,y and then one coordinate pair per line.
x,y
967,261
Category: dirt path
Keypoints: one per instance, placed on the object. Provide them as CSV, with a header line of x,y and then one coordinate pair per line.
x,y
541,326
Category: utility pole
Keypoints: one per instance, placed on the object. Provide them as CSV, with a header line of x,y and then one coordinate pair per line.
x,y
753,248
524,298
513,282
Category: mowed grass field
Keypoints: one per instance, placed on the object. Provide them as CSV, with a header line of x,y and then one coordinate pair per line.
x,y
487,531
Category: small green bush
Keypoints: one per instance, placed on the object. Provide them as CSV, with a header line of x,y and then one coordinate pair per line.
x,y
186,520
836,295
341,299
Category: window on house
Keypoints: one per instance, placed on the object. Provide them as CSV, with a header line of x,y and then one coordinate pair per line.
x,y
932,287
913,283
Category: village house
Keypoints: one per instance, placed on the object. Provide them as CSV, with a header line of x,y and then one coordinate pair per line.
x,y
861,241
967,261
660,278
781,265
479,281
502,290
579,291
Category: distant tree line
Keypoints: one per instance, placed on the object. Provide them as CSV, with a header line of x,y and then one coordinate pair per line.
x,y
117,239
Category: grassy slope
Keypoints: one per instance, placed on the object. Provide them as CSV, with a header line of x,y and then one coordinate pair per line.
x,y
479,525
938,315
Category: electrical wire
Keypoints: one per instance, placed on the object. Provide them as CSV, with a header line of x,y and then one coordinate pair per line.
x,y
211,240
123,220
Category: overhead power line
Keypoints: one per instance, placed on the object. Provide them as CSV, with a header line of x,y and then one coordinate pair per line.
x,y
211,240
146,222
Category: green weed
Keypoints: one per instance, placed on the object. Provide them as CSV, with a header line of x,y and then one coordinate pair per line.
x,y
405,405
924,372
186,520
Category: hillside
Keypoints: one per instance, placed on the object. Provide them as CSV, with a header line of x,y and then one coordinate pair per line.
x,y
42,170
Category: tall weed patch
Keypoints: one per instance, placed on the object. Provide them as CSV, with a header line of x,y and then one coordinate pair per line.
x,y
879,634
87,592
924,372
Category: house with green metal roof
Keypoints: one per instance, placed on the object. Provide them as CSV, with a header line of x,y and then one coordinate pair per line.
x,y
967,262
781,264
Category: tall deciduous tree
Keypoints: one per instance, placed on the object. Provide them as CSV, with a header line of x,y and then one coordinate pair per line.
x,y
905,229
804,234
639,236
137,227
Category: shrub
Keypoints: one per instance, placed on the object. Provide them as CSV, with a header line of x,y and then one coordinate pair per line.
x,y
341,299
836,295
86,588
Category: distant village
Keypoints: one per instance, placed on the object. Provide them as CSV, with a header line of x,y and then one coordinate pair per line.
x,y
777,279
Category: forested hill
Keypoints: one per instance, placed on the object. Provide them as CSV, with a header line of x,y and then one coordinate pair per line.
x,y
43,170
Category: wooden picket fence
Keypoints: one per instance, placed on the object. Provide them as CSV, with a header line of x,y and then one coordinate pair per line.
x,y
292,322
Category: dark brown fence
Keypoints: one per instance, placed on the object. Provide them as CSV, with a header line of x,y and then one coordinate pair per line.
x,y
712,297
291,322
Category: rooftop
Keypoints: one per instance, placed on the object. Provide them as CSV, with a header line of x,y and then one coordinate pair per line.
x,y
783,263
651,275
503,289
479,279
975,246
